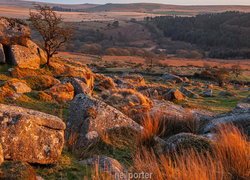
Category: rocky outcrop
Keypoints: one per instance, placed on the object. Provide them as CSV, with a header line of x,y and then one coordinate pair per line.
x,y
18,49
243,107
226,94
62,92
135,79
107,165
104,83
172,78
239,117
18,86
89,118
24,57
174,95
16,170
208,93
184,141
30,136
79,85
2,55
13,31
152,91
188,93
171,110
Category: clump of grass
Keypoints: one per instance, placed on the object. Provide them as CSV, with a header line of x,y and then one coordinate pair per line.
x,y
229,160
129,101
189,166
104,83
233,150
151,128
41,82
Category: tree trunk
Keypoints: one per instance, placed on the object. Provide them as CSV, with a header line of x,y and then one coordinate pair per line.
x,y
48,59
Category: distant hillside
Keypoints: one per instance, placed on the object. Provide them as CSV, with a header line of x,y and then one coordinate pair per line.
x,y
158,8
29,4
133,7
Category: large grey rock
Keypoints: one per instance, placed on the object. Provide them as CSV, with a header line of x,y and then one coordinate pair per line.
x,y
184,141
18,86
188,93
240,117
61,92
178,119
24,58
172,77
174,95
89,117
171,110
242,107
30,136
247,100
2,55
226,94
208,93
13,31
79,85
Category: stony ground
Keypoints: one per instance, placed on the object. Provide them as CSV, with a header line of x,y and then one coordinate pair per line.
x,y
73,119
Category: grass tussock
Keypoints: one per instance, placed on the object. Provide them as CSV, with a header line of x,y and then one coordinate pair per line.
x,y
165,126
229,160
233,150
103,82
129,101
187,166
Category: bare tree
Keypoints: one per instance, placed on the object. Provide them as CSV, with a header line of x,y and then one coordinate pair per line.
x,y
49,25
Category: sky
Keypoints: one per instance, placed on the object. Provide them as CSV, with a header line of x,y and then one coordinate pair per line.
x,y
177,2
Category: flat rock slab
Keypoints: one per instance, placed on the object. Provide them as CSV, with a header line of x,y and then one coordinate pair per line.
x,y
30,136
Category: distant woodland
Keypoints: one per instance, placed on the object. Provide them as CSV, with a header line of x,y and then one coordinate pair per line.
x,y
223,35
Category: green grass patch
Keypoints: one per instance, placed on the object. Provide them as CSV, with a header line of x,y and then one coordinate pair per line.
x,y
67,167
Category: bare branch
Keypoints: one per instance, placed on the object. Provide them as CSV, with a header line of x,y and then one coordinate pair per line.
x,y
48,24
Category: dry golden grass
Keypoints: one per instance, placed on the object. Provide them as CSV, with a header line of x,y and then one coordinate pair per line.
x,y
230,160
233,150
151,128
189,166
104,82
97,174
129,101
163,125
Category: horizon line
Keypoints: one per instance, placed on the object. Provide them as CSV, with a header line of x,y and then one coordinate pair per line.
x,y
135,3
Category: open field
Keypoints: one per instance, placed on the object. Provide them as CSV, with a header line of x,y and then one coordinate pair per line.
x,y
23,13
177,62
179,65
109,12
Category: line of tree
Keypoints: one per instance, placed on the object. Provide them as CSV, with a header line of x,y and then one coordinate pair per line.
x,y
223,35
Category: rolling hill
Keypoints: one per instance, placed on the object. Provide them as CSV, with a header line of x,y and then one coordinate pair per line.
x,y
133,7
